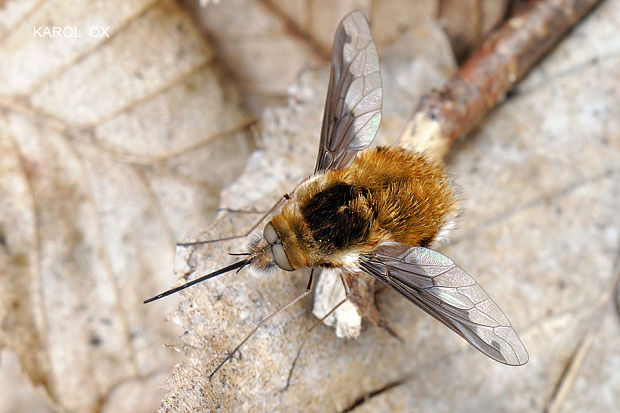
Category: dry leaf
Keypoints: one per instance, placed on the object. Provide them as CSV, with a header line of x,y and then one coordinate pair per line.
x,y
96,134
112,149
266,44
540,232
17,393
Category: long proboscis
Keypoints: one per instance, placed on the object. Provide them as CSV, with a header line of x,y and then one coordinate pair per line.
x,y
237,265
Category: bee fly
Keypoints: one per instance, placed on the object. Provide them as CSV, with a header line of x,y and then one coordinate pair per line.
x,y
373,211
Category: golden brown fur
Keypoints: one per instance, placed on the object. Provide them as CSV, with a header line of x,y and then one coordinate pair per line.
x,y
386,194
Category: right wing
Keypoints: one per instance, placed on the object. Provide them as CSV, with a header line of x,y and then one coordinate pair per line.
x,y
353,106
444,290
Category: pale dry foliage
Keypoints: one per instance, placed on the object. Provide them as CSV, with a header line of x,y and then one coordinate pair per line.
x,y
112,149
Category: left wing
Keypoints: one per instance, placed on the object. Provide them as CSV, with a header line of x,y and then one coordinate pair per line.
x,y
444,290
353,105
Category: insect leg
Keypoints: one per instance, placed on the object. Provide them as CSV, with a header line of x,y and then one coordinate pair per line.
x,y
275,206
347,293
264,320
239,211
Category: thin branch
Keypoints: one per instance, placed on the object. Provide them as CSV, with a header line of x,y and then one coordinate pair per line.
x,y
503,59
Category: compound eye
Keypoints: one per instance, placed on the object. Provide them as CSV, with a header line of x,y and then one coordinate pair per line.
x,y
269,234
279,256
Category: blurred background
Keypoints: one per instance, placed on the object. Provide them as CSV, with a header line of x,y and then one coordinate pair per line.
x,y
124,126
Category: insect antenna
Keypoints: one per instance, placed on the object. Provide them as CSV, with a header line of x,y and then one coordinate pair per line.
x,y
236,266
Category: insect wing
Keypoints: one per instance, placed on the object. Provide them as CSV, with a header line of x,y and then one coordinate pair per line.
x,y
353,106
444,290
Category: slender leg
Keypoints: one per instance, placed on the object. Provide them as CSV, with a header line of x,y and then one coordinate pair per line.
x,y
381,322
303,343
264,320
347,293
239,211
275,206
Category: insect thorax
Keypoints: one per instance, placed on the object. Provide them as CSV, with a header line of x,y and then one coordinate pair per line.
x,y
339,216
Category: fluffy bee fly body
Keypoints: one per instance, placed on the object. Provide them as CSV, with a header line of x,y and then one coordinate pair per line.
x,y
373,211
386,194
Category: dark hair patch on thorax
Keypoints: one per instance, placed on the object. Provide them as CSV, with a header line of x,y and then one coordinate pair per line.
x,y
334,217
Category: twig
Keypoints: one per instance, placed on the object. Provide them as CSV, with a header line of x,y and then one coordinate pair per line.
x,y
503,59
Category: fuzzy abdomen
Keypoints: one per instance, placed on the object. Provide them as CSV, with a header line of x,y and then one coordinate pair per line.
x,y
410,196
386,194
